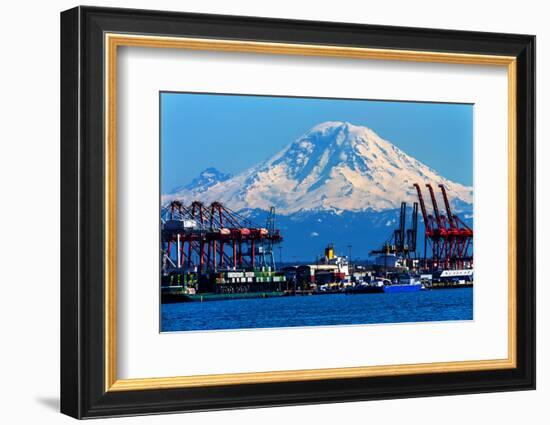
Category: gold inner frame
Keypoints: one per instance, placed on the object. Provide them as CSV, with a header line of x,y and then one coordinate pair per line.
x,y
113,41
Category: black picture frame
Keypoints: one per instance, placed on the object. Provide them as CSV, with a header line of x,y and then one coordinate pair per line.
x,y
83,392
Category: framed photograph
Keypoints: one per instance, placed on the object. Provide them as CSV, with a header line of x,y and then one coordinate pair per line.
x,y
261,212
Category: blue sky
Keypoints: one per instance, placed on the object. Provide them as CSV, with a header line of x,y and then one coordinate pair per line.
x,y
232,132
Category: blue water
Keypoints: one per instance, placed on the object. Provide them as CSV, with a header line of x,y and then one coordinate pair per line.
x,y
319,310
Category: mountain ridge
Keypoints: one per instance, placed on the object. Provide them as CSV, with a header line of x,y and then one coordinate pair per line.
x,y
335,166
207,178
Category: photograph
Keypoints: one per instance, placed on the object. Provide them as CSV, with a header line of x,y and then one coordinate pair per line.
x,y
280,211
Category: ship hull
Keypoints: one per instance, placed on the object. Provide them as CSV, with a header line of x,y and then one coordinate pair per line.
x,y
211,296
415,287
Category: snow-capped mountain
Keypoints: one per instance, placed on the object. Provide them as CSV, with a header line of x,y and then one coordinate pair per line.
x,y
335,166
206,179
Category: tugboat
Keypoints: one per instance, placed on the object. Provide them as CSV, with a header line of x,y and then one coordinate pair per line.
x,y
405,283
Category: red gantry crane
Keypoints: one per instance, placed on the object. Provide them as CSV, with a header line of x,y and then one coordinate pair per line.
x,y
447,239
199,238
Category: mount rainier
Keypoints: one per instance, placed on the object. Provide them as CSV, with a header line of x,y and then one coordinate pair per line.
x,y
338,183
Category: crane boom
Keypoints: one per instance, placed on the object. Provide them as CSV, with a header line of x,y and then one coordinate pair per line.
x,y
438,219
414,226
450,215
427,222
402,218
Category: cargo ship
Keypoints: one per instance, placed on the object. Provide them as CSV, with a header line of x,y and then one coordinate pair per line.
x,y
223,285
